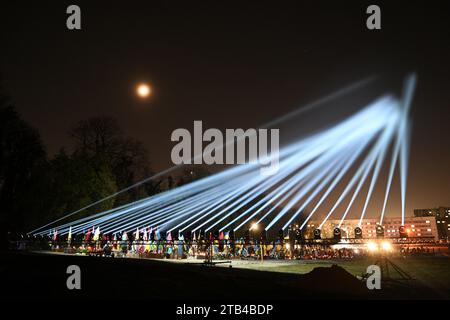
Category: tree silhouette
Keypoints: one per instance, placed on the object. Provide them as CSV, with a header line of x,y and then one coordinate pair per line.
x,y
22,165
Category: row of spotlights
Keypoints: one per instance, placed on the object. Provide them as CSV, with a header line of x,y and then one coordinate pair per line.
x,y
358,232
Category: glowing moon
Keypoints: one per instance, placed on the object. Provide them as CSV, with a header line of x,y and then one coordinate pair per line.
x,y
143,90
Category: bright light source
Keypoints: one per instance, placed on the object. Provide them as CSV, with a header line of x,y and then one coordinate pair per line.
x,y
372,246
309,168
386,246
143,90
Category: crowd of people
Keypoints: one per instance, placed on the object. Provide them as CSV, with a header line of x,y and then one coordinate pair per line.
x,y
208,249
179,249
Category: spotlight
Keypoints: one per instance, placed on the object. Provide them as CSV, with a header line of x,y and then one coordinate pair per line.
x,y
317,234
372,246
337,234
358,233
386,246
402,232
380,231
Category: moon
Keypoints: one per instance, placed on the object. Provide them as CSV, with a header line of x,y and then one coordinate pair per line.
x,y
143,90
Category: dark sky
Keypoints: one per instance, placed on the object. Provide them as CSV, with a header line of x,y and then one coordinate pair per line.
x,y
228,64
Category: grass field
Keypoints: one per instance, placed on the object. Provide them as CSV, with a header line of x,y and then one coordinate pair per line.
x,y
433,273
25,274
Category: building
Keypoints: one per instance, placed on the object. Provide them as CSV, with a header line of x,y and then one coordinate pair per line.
x,y
442,215
416,227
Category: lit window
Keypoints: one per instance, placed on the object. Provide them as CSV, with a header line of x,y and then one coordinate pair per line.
x,y
429,230
428,221
412,226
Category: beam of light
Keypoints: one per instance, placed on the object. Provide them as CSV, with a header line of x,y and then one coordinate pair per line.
x,y
63,229
250,196
325,140
330,158
376,121
363,169
304,169
165,201
198,186
307,189
408,93
286,151
226,198
133,212
301,193
215,178
347,125
331,187
297,179
326,158
192,201
229,174
216,205
394,157
282,200
404,154
322,101
267,201
373,181
296,182
188,205
282,119
352,127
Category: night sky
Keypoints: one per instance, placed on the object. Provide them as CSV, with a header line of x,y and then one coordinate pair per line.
x,y
228,64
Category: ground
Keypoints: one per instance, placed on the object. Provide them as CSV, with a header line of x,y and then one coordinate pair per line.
x,y
42,276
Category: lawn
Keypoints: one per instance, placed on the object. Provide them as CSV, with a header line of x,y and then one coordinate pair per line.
x,y
433,273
